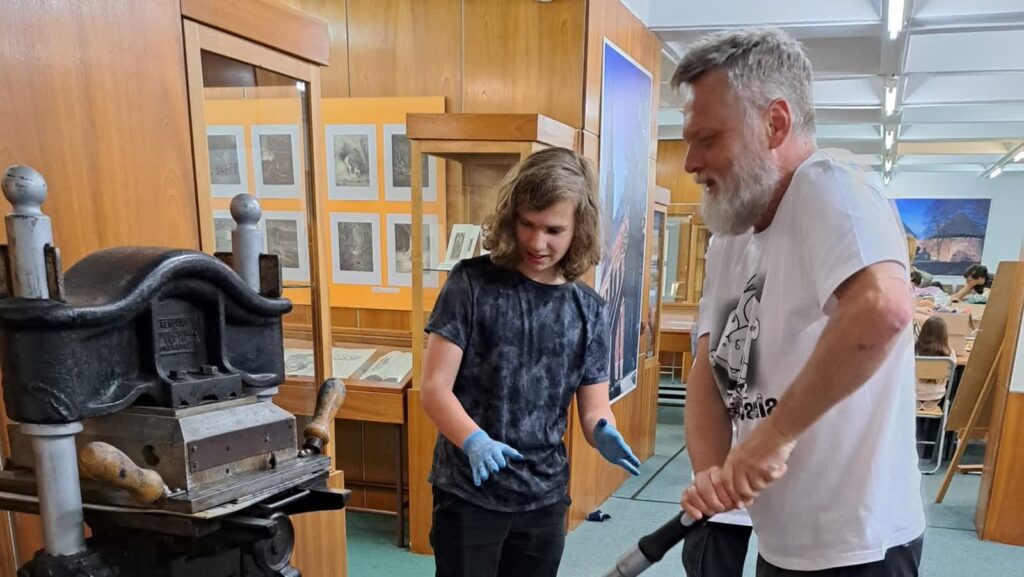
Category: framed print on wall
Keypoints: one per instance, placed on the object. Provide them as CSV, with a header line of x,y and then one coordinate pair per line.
x,y
398,167
228,174
352,162
355,248
399,250
223,225
275,158
284,234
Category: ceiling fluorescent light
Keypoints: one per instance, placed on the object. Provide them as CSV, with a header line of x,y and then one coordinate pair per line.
x,y
1019,156
886,178
887,165
890,138
890,100
895,18
995,172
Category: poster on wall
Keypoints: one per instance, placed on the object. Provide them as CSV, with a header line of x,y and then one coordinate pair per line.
x,y
355,248
276,161
228,174
950,233
284,234
399,250
398,167
625,146
352,162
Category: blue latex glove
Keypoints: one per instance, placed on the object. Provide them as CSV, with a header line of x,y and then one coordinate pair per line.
x,y
614,448
487,456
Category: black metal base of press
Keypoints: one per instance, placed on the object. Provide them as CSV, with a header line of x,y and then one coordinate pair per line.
x,y
88,563
256,542
235,551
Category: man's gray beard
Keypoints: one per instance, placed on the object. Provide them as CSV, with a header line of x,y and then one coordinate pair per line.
x,y
742,196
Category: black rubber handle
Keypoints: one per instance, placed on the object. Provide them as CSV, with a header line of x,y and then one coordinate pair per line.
x,y
655,545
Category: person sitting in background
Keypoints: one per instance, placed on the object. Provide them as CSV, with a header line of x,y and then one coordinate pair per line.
x,y
932,341
974,290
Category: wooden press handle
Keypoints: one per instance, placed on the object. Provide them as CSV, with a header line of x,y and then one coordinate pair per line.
x,y
328,401
107,464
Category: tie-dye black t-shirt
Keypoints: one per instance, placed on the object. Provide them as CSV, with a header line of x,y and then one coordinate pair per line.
x,y
526,347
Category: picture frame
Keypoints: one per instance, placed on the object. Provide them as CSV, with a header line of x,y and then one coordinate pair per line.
x,y
355,248
352,162
398,167
276,160
229,174
284,234
223,225
461,244
399,250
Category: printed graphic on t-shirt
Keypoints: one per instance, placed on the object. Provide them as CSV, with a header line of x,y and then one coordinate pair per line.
x,y
735,356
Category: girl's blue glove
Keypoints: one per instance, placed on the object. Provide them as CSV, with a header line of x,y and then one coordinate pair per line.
x,y
614,448
487,456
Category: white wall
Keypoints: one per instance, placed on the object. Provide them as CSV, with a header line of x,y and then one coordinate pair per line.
x,y
1006,214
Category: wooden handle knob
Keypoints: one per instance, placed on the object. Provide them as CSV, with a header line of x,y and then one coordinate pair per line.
x,y
107,464
328,401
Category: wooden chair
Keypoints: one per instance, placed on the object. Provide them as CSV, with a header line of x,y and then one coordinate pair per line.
x,y
935,368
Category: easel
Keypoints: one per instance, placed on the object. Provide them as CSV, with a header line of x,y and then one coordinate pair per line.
x,y
974,397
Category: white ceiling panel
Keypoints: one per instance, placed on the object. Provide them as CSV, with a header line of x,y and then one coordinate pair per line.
x,y
964,88
850,131
848,92
968,113
966,51
961,8
676,14
963,131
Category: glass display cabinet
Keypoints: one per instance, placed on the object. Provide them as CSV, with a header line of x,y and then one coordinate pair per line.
x,y
466,156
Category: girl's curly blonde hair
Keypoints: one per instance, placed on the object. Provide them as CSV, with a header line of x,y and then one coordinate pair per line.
x,y
543,179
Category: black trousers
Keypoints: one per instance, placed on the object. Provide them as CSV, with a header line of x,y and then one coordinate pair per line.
x,y
470,541
900,561
716,550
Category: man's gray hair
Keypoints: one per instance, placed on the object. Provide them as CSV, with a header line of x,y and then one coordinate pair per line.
x,y
762,64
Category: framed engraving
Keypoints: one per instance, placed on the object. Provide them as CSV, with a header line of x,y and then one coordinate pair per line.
x,y
276,161
355,248
352,162
228,173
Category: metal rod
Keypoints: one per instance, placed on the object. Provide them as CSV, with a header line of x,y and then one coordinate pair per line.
x,y
247,239
29,231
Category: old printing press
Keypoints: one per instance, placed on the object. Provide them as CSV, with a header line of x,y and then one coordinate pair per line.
x,y
150,372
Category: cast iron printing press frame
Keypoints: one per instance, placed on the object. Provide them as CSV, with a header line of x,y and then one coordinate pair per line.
x,y
151,372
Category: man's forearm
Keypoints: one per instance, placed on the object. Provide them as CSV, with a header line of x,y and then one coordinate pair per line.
x,y
851,349
708,427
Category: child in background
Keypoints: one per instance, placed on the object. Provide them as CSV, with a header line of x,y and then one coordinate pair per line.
x,y
513,338
932,341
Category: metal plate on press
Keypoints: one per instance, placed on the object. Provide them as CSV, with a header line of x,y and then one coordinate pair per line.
x,y
236,445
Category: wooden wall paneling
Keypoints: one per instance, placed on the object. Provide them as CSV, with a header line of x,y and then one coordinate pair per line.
x,y
384,319
525,57
267,22
403,48
320,539
334,78
672,172
115,151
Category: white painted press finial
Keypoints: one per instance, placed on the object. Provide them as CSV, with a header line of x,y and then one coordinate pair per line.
x,y
245,209
24,188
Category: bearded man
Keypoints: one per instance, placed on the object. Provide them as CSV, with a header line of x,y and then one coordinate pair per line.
x,y
805,346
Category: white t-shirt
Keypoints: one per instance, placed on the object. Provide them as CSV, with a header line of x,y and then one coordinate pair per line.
x,y
852,489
